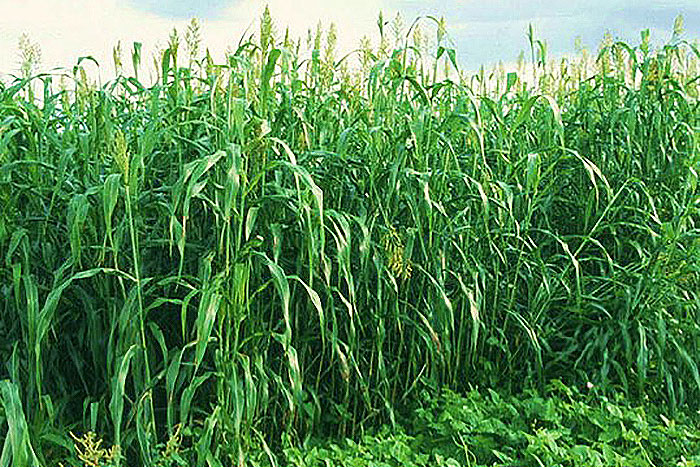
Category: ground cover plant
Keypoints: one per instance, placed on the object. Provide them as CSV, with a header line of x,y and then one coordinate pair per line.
x,y
561,426
246,256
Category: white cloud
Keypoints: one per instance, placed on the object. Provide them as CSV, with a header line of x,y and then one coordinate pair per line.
x,y
68,29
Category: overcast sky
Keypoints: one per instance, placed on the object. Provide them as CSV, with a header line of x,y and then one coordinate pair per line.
x,y
484,31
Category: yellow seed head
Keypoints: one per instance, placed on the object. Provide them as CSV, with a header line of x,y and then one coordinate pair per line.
x,y
121,155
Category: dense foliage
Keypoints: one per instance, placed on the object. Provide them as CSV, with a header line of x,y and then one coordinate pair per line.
x,y
245,255
559,428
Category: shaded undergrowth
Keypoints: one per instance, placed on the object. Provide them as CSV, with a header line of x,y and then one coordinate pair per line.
x,y
560,427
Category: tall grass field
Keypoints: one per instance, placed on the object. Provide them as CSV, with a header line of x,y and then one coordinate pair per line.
x,y
292,257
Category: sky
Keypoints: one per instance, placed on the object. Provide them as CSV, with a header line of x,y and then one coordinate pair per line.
x,y
484,32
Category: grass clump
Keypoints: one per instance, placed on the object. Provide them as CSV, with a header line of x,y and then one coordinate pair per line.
x,y
248,254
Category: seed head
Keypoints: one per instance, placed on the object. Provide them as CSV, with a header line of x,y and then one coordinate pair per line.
x,y
121,155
